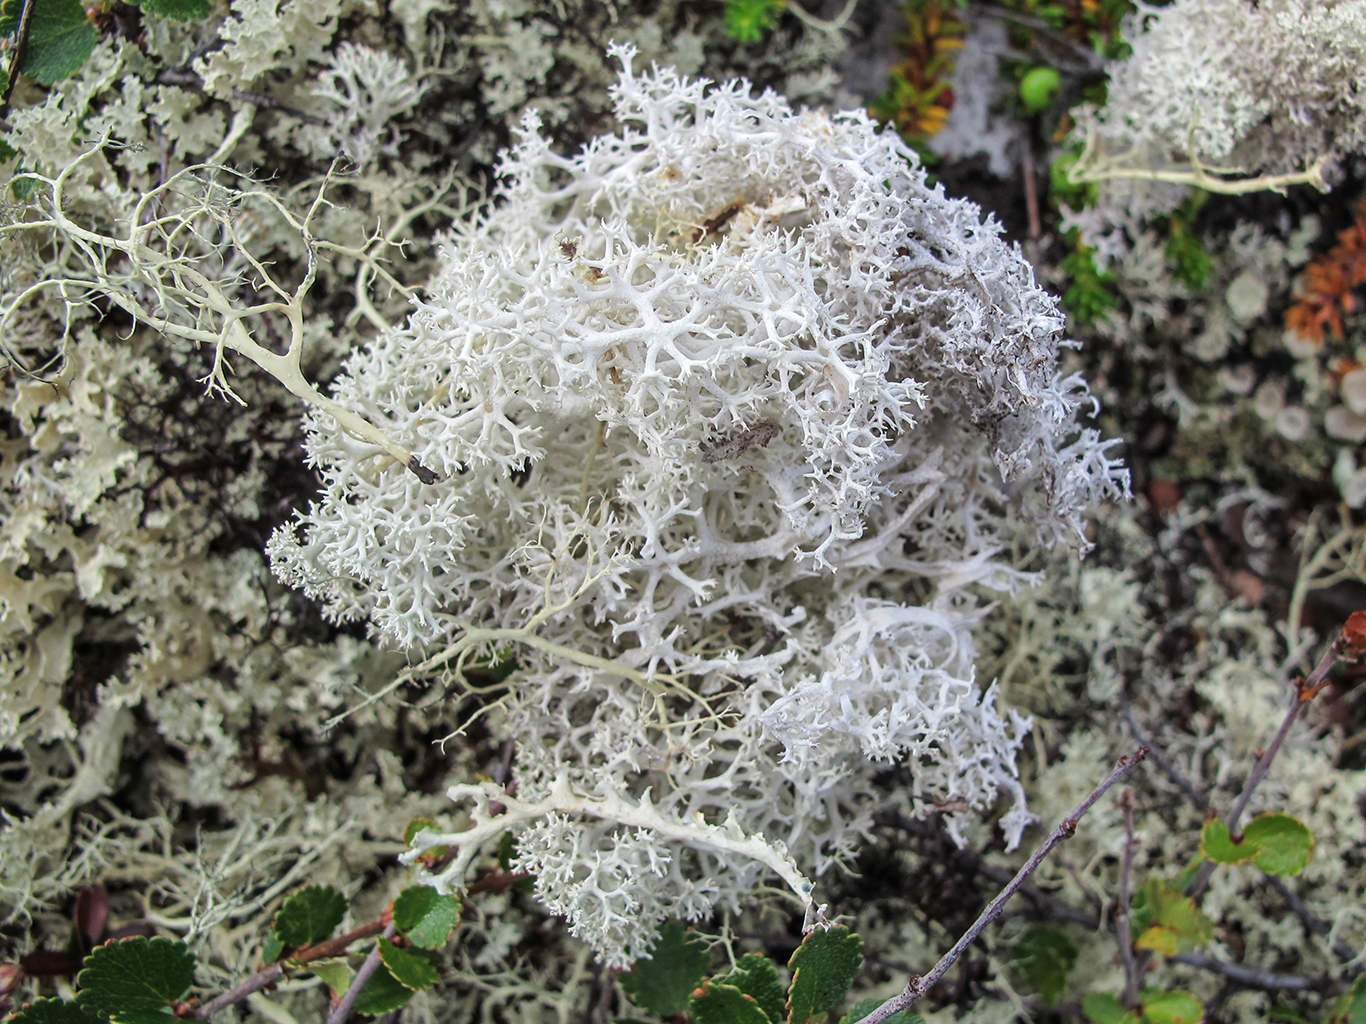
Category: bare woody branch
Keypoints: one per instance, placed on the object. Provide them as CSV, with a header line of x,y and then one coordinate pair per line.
x,y
918,986
1351,642
268,976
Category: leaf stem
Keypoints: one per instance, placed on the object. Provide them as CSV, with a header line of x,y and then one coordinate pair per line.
x,y
270,975
343,1009
1304,691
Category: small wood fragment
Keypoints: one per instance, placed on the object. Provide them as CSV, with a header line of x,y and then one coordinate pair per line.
x,y
735,445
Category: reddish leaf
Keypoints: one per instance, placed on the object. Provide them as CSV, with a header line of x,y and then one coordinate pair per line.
x,y
1164,495
49,963
131,931
90,915
1354,634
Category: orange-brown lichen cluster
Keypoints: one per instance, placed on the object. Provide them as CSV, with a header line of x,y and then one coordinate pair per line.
x,y
1326,289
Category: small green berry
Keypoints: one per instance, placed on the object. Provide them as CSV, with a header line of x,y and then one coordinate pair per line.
x,y
1039,88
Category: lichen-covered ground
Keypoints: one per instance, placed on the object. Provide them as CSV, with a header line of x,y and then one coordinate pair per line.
x,y
170,713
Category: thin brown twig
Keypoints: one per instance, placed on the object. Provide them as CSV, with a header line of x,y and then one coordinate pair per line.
x,y
1122,932
1313,924
20,50
1058,910
1304,690
1163,762
343,1009
275,972
1248,976
1086,57
1048,904
1031,188
918,986
189,80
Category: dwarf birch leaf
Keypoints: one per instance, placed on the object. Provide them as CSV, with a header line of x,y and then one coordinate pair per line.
x,y
53,1011
383,993
426,917
415,826
866,1006
1159,940
1175,1007
1189,872
1157,905
134,979
714,1003
507,850
1350,1007
823,968
756,976
677,965
60,37
408,968
1044,956
1218,845
1286,846
336,974
178,10
272,947
310,915
1105,1008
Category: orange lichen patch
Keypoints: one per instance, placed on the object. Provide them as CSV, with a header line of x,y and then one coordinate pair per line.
x,y
918,98
1325,292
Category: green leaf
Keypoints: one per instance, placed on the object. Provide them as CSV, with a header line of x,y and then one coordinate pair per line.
x,y
53,1011
1218,845
1166,918
1276,843
178,10
23,187
426,917
272,947
433,853
1350,1007
5,151
1044,956
310,915
1159,940
1105,1008
415,826
408,968
136,979
676,966
507,850
1176,1007
336,974
748,20
60,37
714,1003
1286,1014
1287,845
823,968
383,993
756,976
866,1006
1188,873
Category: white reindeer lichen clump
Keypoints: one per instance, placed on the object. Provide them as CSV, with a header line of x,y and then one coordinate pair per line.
x,y
732,415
